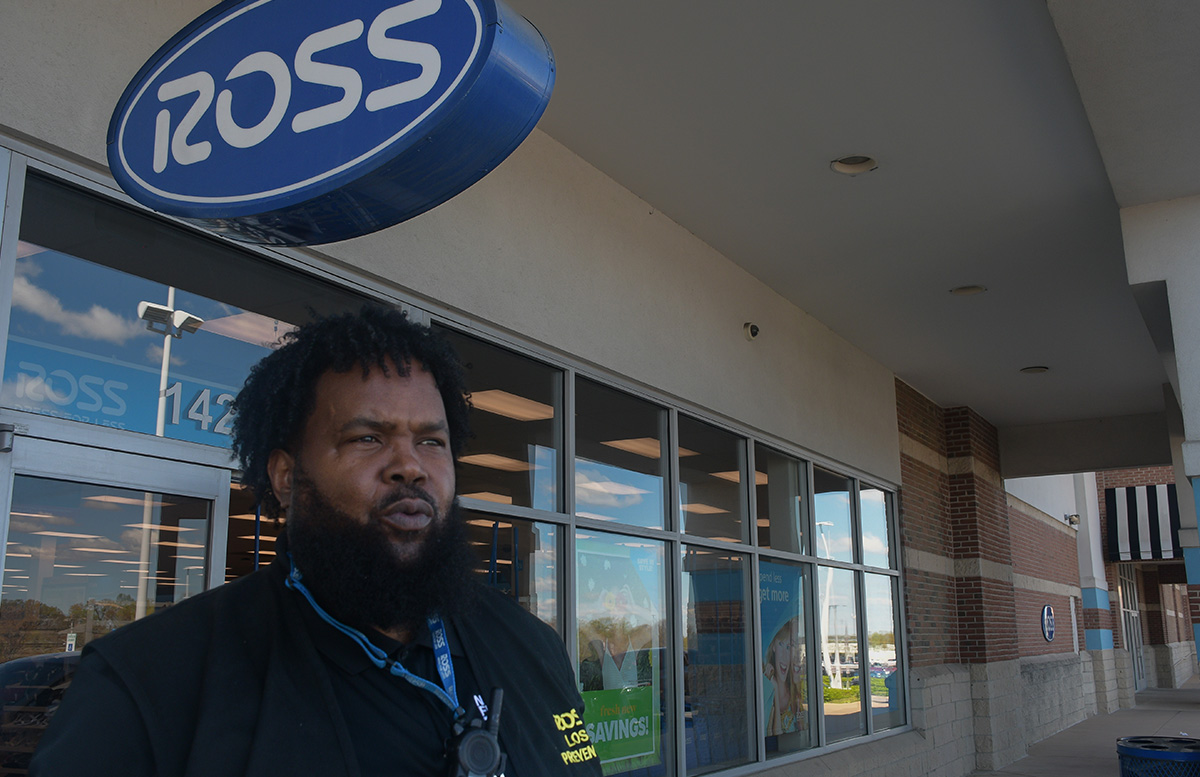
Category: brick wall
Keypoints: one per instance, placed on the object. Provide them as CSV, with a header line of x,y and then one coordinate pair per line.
x,y
977,571
925,531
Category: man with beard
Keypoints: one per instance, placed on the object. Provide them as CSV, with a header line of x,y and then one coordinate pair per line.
x,y
365,648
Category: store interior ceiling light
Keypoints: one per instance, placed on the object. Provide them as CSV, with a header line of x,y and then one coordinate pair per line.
x,y
495,461
699,508
489,496
511,406
733,476
125,500
645,446
67,535
855,164
157,526
101,550
968,291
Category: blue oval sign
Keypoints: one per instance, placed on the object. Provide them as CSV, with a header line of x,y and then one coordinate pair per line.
x,y
1048,623
304,121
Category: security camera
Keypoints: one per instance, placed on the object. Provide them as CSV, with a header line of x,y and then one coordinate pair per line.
x,y
750,330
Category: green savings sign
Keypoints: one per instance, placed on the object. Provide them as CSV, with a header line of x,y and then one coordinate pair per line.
x,y
622,724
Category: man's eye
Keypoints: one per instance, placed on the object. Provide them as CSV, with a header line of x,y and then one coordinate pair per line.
x,y
434,441
366,438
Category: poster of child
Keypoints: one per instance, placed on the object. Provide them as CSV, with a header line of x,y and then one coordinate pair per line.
x,y
783,669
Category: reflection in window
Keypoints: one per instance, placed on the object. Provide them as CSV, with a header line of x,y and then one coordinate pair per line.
x,y
78,343
512,456
875,536
786,659
620,470
519,558
887,702
84,559
779,483
840,655
831,502
717,660
624,661
712,498
252,537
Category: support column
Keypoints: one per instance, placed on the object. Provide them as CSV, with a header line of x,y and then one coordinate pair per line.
x,y
1097,606
982,553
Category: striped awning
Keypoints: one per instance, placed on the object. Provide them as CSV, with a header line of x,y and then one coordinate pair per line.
x,y
1143,523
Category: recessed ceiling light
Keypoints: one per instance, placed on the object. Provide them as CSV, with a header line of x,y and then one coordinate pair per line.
x,y
1036,369
853,165
967,291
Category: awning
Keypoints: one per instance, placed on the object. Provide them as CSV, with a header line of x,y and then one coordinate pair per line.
x,y
1143,523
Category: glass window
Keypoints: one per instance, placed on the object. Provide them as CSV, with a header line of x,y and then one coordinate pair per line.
x,y
831,502
712,499
91,276
85,559
716,660
620,471
624,661
779,486
519,558
887,688
875,533
512,456
839,655
786,660
251,540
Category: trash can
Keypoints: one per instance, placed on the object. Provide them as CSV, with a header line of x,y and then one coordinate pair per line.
x,y
1159,756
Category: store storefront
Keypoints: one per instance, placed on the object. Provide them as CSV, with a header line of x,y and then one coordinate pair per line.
x,y
729,597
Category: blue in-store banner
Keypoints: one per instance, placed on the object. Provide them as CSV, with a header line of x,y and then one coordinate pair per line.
x,y
298,122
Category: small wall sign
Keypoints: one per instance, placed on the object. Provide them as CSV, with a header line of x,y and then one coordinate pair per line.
x,y
297,122
1048,623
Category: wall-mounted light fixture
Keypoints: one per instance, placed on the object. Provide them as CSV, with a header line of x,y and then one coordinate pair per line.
x,y
1072,519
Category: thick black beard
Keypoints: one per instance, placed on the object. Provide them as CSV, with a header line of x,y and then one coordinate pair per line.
x,y
352,571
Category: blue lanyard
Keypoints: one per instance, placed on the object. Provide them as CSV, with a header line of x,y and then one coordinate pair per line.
x,y
441,650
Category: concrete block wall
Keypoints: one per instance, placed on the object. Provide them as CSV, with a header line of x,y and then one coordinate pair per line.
x,y
1056,693
941,743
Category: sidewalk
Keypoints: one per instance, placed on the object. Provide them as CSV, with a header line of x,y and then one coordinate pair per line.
x,y
1089,749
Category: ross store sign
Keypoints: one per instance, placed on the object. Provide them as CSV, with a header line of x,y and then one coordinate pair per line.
x,y
1048,623
297,122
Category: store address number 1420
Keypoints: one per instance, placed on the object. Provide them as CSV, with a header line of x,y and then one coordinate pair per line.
x,y
201,409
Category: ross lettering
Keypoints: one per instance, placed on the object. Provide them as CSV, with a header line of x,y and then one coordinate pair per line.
x,y
179,146
325,74
568,720
63,388
247,137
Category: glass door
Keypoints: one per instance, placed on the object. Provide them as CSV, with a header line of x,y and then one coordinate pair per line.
x,y
95,539
1131,621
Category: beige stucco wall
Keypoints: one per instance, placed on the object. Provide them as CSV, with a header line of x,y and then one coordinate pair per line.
x,y
546,247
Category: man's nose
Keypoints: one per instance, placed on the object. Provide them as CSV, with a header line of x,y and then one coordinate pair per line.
x,y
404,465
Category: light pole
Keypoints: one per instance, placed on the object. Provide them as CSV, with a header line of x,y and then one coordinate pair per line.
x,y
835,680
171,324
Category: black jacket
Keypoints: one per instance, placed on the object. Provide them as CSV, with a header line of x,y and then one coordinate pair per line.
x,y
230,683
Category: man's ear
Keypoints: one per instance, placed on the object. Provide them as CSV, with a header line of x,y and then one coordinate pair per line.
x,y
281,468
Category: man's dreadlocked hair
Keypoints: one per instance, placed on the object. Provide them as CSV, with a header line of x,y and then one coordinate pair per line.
x,y
277,399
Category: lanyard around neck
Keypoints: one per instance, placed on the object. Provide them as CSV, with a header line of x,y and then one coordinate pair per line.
x,y
447,694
